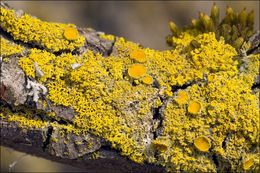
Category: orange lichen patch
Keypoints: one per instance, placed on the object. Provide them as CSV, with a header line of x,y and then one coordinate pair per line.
x,y
194,107
202,143
71,34
138,55
182,97
136,70
147,80
247,164
161,144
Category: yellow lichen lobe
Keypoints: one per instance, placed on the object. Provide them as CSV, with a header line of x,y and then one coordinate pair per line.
x,y
248,163
7,48
194,107
71,34
147,80
213,103
182,97
107,37
202,143
137,70
138,55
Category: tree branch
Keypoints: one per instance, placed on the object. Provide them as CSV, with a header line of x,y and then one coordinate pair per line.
x,y
99,102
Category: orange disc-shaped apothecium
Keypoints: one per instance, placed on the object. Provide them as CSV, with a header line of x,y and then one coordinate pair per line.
x,y
194,107
147,80
161,144
202,143
71,34
182,97
136,70
138,55
248,163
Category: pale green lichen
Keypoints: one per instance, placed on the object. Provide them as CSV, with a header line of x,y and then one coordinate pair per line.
x,y
101,91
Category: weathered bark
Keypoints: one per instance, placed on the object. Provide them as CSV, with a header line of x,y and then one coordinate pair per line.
x,y
36,141
30,141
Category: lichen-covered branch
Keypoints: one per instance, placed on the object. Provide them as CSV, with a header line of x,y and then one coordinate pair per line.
x,y
78,96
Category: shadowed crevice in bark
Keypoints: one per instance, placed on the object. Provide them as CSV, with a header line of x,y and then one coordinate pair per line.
x,y
47,141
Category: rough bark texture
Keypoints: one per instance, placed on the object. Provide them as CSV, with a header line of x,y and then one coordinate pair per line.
x,y
30,141
35,141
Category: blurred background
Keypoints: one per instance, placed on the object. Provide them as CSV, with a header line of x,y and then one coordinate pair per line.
x,y
145,22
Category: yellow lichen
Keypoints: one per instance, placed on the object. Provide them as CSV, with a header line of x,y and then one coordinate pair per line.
x,y
248,163
32,30
108,37
202,143
71,34
95,155
138,55
111,104
147,80
136,70
194,107
161,144
7,48
211,77
213,103
182,97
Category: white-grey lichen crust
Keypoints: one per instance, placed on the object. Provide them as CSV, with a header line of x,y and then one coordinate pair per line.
x,y
75,65
36,89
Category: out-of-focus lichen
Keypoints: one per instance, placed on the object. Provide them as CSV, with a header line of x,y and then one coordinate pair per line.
x,y
236,28
202,89
107,37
